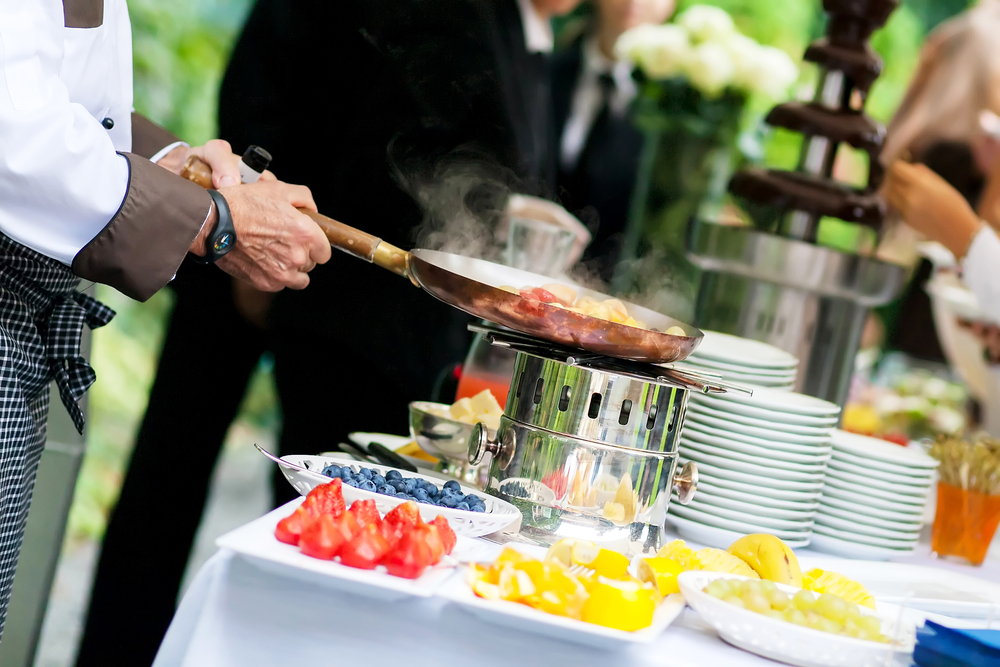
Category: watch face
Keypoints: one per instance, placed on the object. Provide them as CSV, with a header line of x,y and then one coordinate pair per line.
x,y
223,242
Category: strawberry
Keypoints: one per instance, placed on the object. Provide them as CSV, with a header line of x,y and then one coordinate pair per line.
x,y
410,557
406,515
448,537
289,529
429,534
538,294
326,499
391,532
366,549
366,512
322,538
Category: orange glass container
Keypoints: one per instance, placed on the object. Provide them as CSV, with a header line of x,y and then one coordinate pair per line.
x,y
469,385
965,523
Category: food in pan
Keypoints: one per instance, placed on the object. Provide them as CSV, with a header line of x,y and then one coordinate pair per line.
x,y
769,557
483,407
565,297
322,527
827,612
410,488
598,590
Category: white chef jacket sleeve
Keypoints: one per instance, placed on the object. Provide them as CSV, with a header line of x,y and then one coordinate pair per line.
x,y
64,190
981,270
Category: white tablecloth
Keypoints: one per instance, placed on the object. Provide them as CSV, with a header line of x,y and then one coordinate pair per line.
x,y
238,615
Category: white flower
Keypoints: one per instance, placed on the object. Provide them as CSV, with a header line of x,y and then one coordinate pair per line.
x,y
706,23
710,68
772,73
660,51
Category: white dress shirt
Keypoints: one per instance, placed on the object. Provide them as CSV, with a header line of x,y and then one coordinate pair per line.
x,y
538,37
981,271
61,180
588,99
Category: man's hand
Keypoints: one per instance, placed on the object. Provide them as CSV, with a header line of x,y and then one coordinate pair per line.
x,y
218,154
931,206
276,245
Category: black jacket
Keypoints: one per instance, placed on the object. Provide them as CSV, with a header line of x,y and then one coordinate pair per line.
x,y
388,109
599,187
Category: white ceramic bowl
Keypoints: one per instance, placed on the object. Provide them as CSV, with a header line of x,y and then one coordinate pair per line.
x,y
786,642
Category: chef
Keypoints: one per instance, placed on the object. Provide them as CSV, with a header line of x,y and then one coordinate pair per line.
x,y
89,189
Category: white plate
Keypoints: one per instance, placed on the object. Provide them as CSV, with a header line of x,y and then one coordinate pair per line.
x,y
848,549
716,489
499,513
786,403
734,454
874,497
706,433
866,517
754,488
920,587
785,642
706,421
743,352
864,530
256,540
900,513
882,466
387,440
765,424
845,536
772,481
721,367
728,404
744,527
523,618
710,536
867,485
801,523
874,448
732,445
920,480
702,498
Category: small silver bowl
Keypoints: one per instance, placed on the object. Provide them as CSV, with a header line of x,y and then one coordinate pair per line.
x,y
441,437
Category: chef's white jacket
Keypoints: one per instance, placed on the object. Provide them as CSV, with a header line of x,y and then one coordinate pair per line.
x,y
72,186
981,271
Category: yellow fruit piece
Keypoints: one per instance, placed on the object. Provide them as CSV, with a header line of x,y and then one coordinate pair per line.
x,y
508,288
675,331
614,512
515,584
623,605
604,562
717,560
512,556
562,552
662,573
821,581
486,590
769,557
680,552
860,418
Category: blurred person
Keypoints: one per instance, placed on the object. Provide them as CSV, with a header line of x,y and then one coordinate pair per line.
x,y
599,145
89,189
397,112
938,124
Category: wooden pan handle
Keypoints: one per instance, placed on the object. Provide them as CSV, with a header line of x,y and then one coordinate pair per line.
x,y
342,237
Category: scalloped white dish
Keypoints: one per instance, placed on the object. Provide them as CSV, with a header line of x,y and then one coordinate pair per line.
x,y
765,413
499,513
789,643
702,409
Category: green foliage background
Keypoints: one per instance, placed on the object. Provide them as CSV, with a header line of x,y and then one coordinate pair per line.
x,y
180,51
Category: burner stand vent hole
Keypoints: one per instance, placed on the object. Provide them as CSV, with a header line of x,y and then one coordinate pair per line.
x,y
626,410
564,398
595,406
539,386
651,421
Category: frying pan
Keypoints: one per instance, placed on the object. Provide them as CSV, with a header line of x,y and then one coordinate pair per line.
x,y
473,285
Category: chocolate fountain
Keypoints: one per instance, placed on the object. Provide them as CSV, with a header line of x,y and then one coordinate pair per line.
x,y
781,287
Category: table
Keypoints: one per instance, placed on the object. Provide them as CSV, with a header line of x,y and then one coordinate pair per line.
x,y
236,614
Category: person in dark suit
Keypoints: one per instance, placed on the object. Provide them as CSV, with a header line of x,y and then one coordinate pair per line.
x,y
411,113
599,146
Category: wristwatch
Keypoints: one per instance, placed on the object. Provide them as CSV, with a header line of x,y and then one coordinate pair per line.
x,y
223,237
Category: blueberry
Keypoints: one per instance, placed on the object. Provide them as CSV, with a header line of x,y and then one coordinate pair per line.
x,y
393,475
428,486
448,501
366,473
378,479
410,483
421,495
332,470
398,485
453,485
462,506
478,508
367,485
384,490
471,498
351,482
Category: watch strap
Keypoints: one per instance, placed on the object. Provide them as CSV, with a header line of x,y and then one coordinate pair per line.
x,y
222,238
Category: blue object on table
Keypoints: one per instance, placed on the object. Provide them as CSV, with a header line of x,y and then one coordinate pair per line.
x,y
940,646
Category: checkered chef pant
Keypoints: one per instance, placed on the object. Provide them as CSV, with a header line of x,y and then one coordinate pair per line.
x,y
41,321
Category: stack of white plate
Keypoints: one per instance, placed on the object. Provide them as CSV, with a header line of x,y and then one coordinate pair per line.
x,y
742,361
872,505
761,464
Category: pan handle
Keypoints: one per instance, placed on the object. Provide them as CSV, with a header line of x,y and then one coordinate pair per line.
x,y
342,237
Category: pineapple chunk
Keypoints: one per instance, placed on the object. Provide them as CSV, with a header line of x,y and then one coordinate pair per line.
x,y
462,408
565,293
617,306
821,581
485,403
717,560
680,552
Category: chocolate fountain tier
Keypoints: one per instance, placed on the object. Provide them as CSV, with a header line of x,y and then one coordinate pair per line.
x,y
792,191
855,129
859,62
